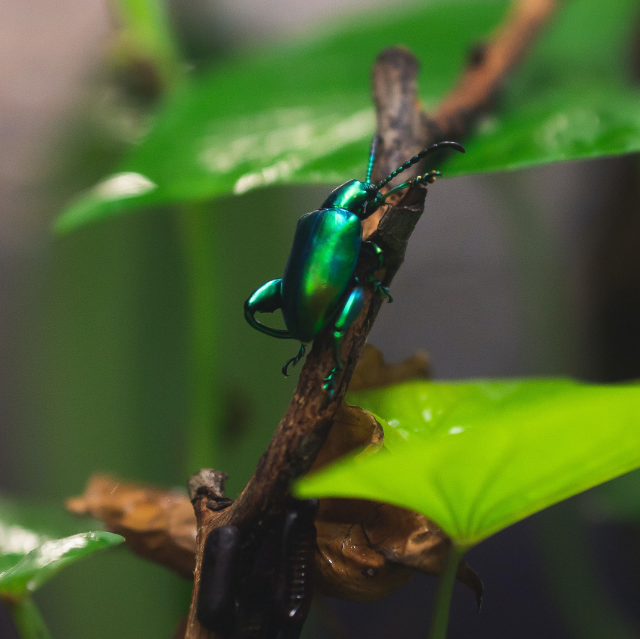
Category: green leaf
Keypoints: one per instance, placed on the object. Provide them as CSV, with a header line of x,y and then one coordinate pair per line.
x,y
27,524
44,561
36,540
301,112
477,457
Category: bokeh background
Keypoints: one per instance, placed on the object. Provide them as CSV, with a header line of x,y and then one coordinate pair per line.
x,y
93,354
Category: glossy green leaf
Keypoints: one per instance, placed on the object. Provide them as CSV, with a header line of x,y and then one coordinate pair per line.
x,y
477,457
48,557
26,524
302,112
36,540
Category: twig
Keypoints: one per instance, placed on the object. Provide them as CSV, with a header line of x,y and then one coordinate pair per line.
x,y
404,129
488,68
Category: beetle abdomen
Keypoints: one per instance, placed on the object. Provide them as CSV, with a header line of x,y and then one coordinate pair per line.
x,y
320,267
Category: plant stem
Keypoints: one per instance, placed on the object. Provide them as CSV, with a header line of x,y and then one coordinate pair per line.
x,y
147,35
27,620
202,286
440,614
588,609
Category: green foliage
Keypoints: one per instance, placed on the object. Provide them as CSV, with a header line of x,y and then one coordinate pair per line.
x,y
301,112
477,457
32,548
26,525
48,557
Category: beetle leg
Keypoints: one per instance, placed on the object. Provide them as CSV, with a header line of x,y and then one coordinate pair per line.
x,y
216,608
293,361
266,299
382,291
377,252
348,314
330,382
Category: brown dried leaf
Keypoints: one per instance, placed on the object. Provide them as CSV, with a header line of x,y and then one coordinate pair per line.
x,y
157,524
346,565
372,371
352,428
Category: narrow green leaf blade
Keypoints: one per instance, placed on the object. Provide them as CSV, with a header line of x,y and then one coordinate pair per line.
x,y
477,457
44,561
301,112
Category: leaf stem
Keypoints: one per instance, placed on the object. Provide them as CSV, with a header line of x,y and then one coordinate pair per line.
x,y
147,36
442,603
588,610
202,286
27,620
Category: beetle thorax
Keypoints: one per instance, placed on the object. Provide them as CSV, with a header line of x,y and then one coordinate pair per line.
x,y
351,196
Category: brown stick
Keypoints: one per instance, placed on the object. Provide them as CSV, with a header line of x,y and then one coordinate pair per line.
x,y
488,68
404,129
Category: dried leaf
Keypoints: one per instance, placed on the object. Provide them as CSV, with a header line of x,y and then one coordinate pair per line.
x,y
372,371
157,524
352,428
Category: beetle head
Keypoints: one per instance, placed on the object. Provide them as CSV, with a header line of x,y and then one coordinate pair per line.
x,y
351,196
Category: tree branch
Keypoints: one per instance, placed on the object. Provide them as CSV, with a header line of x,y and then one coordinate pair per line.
x,y
404,129
488,68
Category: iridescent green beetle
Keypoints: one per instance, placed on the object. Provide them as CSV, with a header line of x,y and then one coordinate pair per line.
x,y
319,288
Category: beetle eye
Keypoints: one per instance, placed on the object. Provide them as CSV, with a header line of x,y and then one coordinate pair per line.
x,y
372,191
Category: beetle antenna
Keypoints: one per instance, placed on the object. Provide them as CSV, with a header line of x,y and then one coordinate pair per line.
x,y
416,158
372,157
427,178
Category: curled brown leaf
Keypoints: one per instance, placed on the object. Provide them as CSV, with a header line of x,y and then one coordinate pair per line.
x,y
373,372
157,524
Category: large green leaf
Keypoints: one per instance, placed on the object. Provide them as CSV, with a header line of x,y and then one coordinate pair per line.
x,y
302,112
477,457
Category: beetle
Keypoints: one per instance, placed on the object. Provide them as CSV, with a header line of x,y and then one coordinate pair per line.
x,y
319,288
